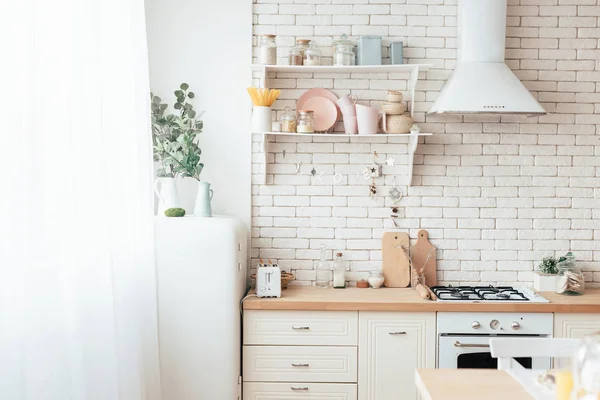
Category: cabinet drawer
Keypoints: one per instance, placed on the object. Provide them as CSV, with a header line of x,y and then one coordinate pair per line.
x,y
336,328
299,364
575,326
299,391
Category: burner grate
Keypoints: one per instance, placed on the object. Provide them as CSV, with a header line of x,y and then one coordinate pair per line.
x,y
481,293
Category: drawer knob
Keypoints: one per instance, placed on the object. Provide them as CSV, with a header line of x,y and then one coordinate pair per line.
x,y
301,328
299,365
299,389
397,333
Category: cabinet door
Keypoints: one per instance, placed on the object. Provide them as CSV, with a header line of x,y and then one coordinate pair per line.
x,y
575,326
391,346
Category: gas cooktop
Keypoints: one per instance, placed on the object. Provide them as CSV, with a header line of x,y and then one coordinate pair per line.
x,y
486,294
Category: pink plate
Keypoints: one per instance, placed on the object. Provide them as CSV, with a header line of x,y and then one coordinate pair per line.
x,y
317,92
325,113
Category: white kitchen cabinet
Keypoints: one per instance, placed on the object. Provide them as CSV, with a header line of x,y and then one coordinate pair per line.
x,y
299,364
299,391
312,328
391,346
575,326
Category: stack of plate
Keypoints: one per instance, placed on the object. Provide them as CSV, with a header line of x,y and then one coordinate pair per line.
x,y
323,104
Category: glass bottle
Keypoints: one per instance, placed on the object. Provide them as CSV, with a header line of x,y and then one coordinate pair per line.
x,y
305,123
571,281
288,120
312,55
323,269
267,50
339,272
343,51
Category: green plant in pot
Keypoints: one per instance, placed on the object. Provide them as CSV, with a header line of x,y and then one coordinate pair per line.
x,y
545,278
175,144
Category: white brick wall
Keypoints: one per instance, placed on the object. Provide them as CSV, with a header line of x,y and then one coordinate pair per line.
x,y
496,193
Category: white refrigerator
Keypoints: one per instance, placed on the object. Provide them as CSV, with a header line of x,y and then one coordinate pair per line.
x,y
201,273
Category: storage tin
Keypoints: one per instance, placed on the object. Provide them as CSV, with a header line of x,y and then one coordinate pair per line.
x,y
368,50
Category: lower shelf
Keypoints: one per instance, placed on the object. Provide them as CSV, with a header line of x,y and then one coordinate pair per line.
x,y
342,134
413,140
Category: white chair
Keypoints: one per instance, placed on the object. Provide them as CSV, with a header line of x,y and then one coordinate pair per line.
x,y
506,349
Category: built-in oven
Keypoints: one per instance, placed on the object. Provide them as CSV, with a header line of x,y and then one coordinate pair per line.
x,y
464,338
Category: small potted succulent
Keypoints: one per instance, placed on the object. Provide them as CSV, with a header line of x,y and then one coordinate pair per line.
x,y
545,278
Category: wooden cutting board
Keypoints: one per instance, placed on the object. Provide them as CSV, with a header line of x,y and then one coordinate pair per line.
x,y
419,256
396,268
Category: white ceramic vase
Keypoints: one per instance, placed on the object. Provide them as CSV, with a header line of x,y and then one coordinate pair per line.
x,y
166,190
202,207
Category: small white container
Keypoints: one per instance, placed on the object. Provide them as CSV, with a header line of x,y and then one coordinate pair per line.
x,y
375,279
544,282
261,119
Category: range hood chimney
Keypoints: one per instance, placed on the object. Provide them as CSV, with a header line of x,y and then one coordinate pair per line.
x,y
481,81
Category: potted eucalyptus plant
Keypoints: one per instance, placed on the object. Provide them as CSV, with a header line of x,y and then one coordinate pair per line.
x,y
546,278
175,144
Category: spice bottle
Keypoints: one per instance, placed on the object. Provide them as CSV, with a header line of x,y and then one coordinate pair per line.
x,y
339,272
267,50
305,122
288,121
312,55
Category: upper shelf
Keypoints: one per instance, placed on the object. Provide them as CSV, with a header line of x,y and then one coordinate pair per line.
x,y
342,68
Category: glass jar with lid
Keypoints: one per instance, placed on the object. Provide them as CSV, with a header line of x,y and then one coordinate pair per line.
x,y
267,49
306,121
571,281
339,272
296,53
343,51
312,55
288,121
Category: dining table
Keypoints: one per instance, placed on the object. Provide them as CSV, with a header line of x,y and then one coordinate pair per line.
x,y
477,384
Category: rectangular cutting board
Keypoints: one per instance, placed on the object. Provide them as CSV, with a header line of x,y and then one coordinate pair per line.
x,y
418,254
396,267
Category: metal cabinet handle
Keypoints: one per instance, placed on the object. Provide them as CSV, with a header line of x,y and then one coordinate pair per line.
x,y
298,389
459,344
397,333
301,328
299,365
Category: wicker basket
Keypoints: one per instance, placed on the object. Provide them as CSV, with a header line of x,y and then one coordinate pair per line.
x,y
395,108
394,96
286,278
398,123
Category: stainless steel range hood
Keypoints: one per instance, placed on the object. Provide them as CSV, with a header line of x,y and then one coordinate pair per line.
x,y
481,81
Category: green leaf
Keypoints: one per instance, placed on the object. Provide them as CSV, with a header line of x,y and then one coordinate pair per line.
x,y
181,99
177,106
184,86
178,93
191,95
156,100
191,113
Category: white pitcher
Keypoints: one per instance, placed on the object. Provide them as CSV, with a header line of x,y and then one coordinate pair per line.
x,y
166,190
203,199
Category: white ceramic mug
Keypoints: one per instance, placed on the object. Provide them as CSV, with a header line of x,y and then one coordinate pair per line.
x,y
350,125
368,119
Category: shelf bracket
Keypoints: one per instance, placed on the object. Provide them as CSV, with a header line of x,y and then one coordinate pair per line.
x,y
265,151
413,141
412,84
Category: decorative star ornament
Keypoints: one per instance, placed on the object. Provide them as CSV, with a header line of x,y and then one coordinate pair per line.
x,y
395,194
390,161
313,172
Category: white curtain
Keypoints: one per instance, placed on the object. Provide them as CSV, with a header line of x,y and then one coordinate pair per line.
x,y
78,313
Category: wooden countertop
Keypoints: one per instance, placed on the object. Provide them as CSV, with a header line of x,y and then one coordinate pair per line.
x,y
468,384
386,299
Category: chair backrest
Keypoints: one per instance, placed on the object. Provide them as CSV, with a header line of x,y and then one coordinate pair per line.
x,y
505,349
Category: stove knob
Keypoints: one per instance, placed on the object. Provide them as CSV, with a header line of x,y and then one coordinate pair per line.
x,y
515,325
494,324
475,325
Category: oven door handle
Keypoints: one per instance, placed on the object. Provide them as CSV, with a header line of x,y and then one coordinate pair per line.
x,y
459,344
